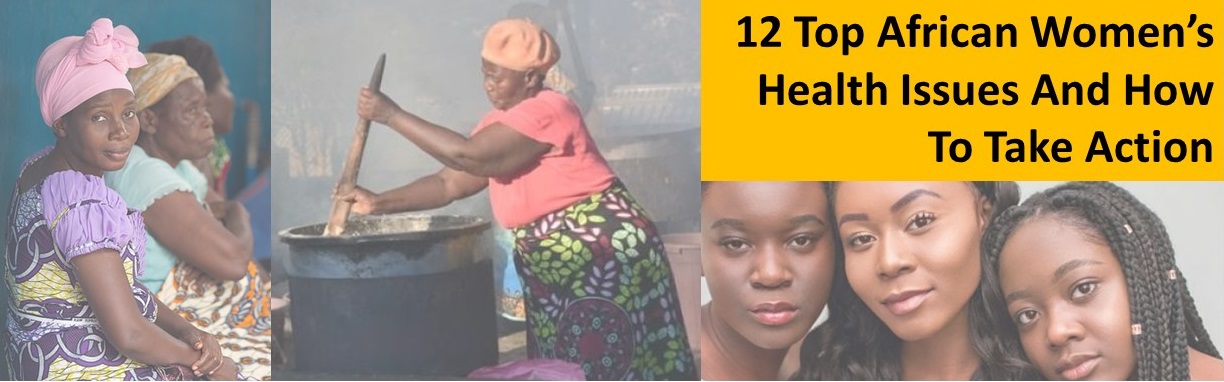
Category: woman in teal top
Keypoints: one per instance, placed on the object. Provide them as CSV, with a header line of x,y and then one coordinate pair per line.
x,y
143,181
199,255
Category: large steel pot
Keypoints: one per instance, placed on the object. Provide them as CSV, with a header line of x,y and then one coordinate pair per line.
x,y
395,295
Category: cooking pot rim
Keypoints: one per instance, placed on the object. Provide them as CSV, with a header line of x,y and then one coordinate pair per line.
x,y
312,234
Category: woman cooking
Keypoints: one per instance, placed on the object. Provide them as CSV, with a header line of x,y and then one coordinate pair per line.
x,y
598,285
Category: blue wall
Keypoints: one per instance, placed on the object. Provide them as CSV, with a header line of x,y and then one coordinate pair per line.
x,y
240,31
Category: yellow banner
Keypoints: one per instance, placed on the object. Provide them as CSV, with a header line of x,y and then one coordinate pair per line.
x,y
953,90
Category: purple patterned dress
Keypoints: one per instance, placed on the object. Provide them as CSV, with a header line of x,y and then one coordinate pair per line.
x,y
52,332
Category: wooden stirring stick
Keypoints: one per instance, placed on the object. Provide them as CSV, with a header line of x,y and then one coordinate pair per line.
x,y
348,179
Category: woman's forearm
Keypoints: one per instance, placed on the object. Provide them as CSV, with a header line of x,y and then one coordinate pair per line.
x,y
106,287
180,352
238,222
426,193
441,143
155,346
171,322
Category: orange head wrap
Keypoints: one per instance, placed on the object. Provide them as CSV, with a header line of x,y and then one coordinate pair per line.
x,y
520,45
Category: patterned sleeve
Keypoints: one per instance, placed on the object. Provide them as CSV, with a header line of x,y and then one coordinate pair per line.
x,y
85,216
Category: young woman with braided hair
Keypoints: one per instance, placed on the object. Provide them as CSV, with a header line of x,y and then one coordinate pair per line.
x,y
904,303
1087,274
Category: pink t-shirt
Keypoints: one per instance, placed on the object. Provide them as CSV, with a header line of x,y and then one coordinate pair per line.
x,y
572,170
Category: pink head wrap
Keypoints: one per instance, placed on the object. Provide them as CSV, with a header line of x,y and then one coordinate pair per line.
x,y
76,68
520,45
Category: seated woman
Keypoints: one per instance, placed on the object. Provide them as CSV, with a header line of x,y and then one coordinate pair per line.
x,y
199,254
74,247
1117,308
219,102
768,255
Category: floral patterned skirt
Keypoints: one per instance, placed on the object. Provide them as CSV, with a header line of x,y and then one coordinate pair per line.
x,y
238,313
599,291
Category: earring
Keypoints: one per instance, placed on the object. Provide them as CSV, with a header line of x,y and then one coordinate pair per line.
x,y
1137,329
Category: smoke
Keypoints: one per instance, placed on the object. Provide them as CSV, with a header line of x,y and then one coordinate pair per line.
x,y
324,51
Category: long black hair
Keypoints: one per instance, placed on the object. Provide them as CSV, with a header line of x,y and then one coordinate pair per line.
x,y
1159,298
854,344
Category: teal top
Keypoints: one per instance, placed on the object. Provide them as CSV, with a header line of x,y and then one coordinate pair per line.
x,y
141,182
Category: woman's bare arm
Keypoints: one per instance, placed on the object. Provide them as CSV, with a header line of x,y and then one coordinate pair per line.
x,y
497,150
428,192
109,292
222,249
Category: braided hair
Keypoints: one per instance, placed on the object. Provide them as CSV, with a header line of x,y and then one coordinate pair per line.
x,y
1159,298
854,344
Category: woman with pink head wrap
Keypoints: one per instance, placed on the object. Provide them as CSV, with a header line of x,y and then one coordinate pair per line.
x,y
598,288
74,248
